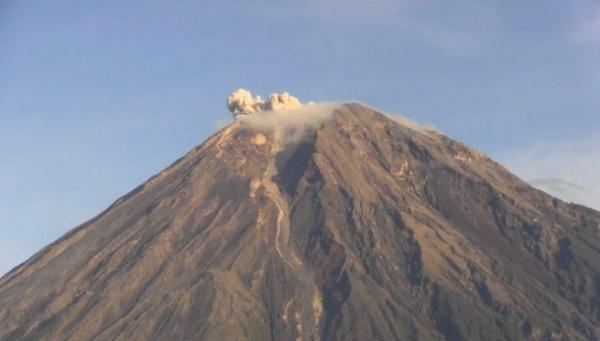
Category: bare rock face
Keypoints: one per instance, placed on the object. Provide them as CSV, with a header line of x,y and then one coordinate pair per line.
x,y
366,229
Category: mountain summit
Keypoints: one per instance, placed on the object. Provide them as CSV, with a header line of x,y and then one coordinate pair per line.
x,y
348,226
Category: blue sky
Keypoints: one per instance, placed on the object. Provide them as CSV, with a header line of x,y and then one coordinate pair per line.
x,y
97,96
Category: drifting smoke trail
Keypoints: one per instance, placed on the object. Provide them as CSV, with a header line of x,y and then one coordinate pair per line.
x,y
282,114
289,119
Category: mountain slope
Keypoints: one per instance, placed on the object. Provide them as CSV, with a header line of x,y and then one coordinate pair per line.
x,y
365,229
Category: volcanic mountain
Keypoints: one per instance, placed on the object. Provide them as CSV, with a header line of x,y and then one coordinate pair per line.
x,y
355,228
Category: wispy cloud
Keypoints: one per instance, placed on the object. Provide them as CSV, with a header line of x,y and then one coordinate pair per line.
x,y
462,28
567,169
587,31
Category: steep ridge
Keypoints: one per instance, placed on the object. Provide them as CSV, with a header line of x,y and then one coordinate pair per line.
x,y
365,229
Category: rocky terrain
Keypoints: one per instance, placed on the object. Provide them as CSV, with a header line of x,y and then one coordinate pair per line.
x,y
362,229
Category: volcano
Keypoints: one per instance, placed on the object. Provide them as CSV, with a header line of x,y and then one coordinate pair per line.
x,y
358,228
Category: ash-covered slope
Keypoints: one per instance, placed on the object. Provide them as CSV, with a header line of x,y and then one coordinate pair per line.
x,y
363,229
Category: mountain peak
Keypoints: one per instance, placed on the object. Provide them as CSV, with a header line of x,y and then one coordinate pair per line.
x,y
322,221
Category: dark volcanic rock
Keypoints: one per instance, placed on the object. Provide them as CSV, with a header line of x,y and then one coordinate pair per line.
x,y
364,230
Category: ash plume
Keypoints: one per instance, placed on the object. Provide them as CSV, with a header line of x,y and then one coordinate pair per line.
x,y
281,114
290,120
281,101
242,103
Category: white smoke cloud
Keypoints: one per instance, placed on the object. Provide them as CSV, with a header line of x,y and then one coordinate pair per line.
x,y
241,102
290,121
282,101
281,114
293,122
